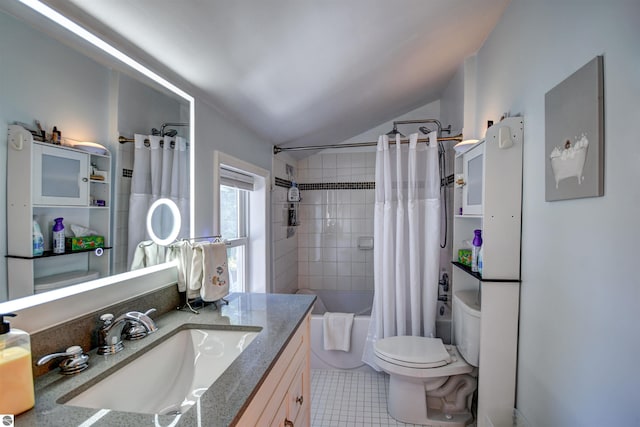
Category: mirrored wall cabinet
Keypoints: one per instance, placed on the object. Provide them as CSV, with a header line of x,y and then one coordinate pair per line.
x,y
45,182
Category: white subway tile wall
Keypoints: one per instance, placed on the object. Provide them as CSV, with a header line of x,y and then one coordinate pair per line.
x,y
331,221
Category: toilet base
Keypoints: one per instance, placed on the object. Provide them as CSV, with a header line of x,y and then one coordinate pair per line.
x,y
415,410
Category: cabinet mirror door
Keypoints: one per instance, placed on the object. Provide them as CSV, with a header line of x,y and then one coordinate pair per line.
x,y
60,177
473,165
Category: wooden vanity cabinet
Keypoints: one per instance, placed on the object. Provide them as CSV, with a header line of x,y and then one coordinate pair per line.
x,y
284,398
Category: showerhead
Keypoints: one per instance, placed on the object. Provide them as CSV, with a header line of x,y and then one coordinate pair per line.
x,y
425,130
395,131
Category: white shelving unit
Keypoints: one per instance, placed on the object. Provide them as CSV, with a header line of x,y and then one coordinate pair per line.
x,y
50,181
499,286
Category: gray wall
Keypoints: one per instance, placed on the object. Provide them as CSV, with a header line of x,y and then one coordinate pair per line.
x,y
580,298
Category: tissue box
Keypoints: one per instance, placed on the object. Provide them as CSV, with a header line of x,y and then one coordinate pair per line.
x,y
464,257
83,243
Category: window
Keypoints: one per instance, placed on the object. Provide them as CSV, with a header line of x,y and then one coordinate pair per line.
x,y
234,209
240,216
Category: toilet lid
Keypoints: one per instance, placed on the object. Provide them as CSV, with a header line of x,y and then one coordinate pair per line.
x,y
416,352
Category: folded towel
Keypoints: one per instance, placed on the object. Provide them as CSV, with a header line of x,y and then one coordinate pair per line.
x,y
337,331
215,271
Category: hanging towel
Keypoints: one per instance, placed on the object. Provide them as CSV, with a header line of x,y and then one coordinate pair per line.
x,y
182,253
337,331
147,253
212,260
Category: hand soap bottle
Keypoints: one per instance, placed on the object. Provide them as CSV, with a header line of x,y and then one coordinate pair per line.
x,y
16,375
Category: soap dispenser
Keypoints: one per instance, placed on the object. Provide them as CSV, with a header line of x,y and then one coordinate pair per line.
x,y
16,375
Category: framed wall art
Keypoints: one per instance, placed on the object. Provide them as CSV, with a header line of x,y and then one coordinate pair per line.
x,y
574,135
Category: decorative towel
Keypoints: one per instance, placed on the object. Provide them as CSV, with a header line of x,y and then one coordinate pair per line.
x,y
211,259
337,331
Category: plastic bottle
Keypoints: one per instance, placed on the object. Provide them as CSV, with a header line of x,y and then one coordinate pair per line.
x,y
294,193
480,260
16,376
38,239
58,236
475,250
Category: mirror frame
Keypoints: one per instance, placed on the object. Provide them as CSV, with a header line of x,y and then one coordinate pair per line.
x,y
66,26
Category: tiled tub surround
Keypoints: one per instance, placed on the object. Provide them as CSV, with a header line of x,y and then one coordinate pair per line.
x,y
221,404
332,220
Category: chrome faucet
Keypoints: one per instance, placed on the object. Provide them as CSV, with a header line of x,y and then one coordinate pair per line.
x,y
139,324
75,360
110,333
134,324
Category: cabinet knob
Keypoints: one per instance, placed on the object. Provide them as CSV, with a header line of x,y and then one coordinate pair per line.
x,y
85,179
288,423
300,400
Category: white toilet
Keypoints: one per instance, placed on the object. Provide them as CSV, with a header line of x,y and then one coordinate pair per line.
x,y
429,382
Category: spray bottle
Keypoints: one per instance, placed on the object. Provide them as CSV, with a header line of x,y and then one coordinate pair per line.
x,y
58,236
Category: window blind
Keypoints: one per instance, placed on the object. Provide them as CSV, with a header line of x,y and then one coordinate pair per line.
x,y
235,179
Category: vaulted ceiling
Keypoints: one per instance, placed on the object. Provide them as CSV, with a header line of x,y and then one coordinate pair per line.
x,y
302,72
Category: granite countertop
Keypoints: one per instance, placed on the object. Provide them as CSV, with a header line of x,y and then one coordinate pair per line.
x,y
221,405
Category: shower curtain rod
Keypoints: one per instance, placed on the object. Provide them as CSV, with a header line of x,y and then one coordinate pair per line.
x,y
277,149
124,139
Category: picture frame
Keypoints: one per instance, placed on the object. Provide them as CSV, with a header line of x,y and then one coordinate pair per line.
x,y
574,135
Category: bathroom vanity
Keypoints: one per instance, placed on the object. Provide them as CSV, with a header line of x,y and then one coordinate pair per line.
x,y
268,383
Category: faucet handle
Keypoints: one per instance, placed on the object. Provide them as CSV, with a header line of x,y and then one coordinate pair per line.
x,y
106,318
140,324
75,360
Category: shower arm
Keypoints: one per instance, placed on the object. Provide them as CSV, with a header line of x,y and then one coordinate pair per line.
x,y
423,121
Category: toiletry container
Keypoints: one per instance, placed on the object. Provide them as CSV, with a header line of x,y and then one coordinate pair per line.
x,y
475,249
16,376
58,236
38,239
294,193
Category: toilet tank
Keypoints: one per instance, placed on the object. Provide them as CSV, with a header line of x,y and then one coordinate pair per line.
x,y
466,319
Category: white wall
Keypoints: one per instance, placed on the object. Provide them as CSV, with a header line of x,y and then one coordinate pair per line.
x,y
580,298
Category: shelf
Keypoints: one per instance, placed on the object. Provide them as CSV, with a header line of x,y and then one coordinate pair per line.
x,y
479,216
467,270
48,254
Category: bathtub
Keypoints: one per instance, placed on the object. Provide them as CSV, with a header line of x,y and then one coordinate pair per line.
x,y
358,302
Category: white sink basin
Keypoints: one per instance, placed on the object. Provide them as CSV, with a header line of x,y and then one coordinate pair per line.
x,y
170,377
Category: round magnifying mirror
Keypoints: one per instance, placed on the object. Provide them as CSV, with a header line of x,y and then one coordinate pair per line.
x,y
163,221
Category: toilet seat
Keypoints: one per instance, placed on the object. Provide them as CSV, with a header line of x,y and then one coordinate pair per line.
x,y
413,352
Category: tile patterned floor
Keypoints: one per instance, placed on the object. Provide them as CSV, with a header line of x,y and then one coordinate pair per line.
x,y
350,399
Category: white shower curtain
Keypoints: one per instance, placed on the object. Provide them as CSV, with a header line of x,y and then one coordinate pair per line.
x,y
158,172
406,241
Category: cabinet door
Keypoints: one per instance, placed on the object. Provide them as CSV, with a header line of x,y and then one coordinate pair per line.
x,y
60,177
473,170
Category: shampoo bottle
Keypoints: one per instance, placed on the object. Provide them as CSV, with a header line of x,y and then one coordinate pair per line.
x,y
16,376
294,193
58,236
38,239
